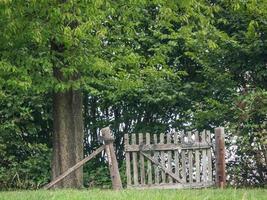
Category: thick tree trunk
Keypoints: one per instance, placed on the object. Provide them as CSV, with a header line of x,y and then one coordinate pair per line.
x,y
68,123
68,137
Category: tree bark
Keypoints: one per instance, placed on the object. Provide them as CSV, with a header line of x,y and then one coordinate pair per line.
x,y
68,123
68,137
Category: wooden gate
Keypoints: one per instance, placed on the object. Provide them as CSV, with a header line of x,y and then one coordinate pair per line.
x,y
175,160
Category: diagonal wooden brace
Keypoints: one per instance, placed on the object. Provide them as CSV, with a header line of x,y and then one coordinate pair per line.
x,y
162,167
73,168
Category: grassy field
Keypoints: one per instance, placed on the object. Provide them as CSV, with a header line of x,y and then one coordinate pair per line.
x,y
203,194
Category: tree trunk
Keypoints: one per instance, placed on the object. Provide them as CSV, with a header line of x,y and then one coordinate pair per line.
x,y
68,137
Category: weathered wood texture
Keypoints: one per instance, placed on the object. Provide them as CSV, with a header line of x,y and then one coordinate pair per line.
x,y
204,158
73,168
111,157
156,157
197,154
128,163
162,159
135,166
149,165
173,160
112,160
220,157
142,161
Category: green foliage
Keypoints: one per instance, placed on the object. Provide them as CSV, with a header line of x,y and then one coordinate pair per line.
x,y
143,66
25,140
97,177
31,172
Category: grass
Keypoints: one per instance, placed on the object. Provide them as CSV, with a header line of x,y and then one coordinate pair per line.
x,y
201,194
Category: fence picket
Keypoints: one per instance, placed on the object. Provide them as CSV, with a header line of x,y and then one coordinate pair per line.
x,y
183,159
149,168
156,154
176,155
169,161
197,159
128,163
142,161
135,164
162,158
209,157
204,157
190,159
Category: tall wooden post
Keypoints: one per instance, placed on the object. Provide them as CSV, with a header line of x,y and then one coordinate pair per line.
x,y
220,157
112,160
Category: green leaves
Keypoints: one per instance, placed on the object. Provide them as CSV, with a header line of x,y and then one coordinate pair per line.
x,y
142,65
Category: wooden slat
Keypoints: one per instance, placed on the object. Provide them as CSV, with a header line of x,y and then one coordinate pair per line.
x,y
162,154
176,156
75,167
197,159
183,159
174,186
128,162
204,158
167,171
165,147
149,168
169,161
135,164
142,161
156,154
209,158
190,160
192,169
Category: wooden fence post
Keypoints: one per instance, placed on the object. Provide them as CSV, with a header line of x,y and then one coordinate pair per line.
x,y
112,160
220,157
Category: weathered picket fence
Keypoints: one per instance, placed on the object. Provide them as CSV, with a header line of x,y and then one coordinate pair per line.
x,y
173,160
